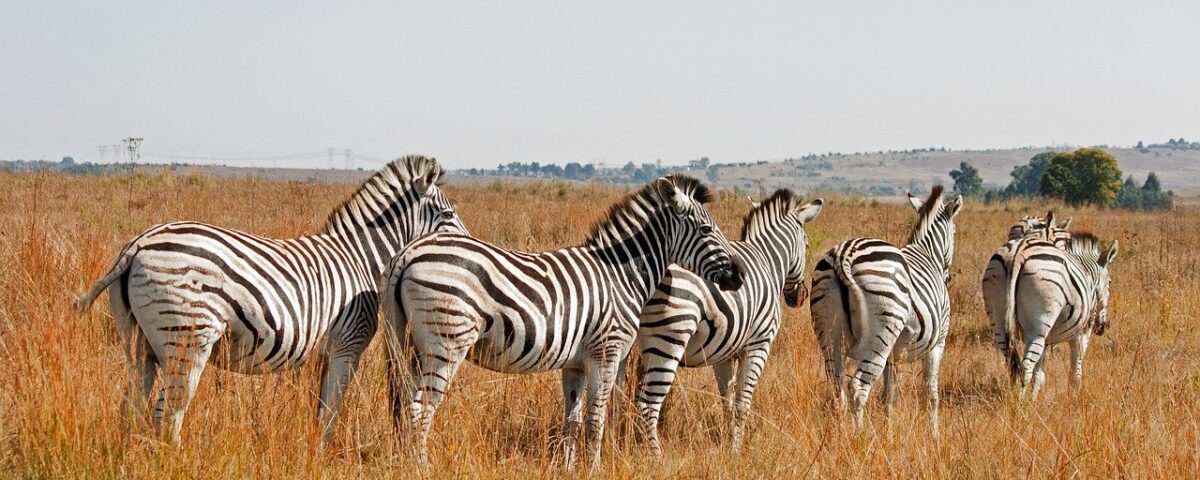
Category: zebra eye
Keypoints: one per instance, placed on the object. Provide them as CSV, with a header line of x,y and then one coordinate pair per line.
x,y
706,229
448,213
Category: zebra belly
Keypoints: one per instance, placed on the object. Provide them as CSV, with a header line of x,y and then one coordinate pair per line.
x,y
506,353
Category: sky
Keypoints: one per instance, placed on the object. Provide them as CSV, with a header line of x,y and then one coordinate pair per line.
x,y
481,83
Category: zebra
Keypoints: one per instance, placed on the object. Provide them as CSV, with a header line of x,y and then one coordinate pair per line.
x,y
994,284
186,293
1055,295
574,309
690,322
883,304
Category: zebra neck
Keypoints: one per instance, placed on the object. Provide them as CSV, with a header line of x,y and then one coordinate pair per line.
x,y
933,256
369,247
778,251
634,249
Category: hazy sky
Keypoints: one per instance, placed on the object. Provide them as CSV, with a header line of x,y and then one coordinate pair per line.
x,y
478,83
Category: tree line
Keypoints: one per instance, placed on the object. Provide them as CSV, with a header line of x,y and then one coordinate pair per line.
x,y
1087,176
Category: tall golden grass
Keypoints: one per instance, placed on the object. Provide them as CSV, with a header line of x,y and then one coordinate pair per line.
x,y
62,375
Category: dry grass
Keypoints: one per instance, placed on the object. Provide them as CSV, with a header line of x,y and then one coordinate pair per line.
x,y
61,376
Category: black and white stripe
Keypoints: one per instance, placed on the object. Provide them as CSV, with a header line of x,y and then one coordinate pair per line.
x,y
691,322
1055,295
995,277
574,309
186,293
883,304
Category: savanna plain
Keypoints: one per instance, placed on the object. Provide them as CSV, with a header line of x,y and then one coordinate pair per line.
x,y
62,375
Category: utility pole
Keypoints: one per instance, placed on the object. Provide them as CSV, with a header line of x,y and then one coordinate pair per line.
x,y
347,153
331,166
102,149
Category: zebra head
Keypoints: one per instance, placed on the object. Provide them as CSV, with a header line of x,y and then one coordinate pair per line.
x,y
398,204
698,244
778,223
935,230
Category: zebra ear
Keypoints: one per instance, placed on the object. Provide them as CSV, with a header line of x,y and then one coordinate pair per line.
x,y
1108,258
1050,220
916,202
955,206
1065,225
806,213
670,194
753,204
428,179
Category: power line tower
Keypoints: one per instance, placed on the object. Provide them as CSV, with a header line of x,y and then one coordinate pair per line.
x,y
331,165
347,153
103,149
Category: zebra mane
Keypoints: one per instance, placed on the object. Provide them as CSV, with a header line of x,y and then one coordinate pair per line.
x,y
646,195
386,186
782,201
1084,244
929,211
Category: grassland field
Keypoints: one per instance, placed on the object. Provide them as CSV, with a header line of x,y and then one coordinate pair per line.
x,y
62,375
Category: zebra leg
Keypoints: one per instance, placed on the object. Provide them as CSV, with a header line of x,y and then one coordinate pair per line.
x,y
869,369
751,368
890,389
1039,373
724,373
438,359
142,365
1035,347
337,374
186,354
572,387
601,375
659,365
933,364
1079,347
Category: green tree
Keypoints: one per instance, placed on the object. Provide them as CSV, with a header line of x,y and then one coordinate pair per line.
x,y
1152,184
967,180
1085,176
1027,179
1130,196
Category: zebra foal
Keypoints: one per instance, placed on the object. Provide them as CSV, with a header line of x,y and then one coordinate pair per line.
x,y
184,294
450,297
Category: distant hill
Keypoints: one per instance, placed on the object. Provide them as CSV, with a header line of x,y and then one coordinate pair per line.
x,y
877,173
891,173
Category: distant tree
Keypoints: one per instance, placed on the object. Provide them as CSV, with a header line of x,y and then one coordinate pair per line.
x,y
1140,146
588,171
629,168
571,170
1027,179
1152,184
1085,176
550,170
67,161
713,173
967,180
1130,196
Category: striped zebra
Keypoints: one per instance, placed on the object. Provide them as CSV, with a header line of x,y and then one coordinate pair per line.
x,y
575,309
995,276
887,304
690,322
1055,295
186,293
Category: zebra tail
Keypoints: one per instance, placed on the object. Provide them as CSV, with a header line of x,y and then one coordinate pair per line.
x,y
1012,332
124,259
860,322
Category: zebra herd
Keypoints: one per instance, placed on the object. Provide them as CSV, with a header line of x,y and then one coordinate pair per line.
x,y
655,272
